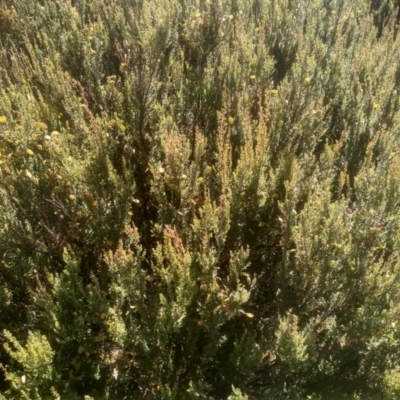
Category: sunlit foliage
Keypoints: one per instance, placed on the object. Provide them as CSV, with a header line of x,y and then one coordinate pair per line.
x,y
199,199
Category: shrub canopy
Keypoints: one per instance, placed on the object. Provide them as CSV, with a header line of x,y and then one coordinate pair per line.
x,y
199,199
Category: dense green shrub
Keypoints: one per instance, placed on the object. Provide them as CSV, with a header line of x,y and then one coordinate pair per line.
x,y
199,199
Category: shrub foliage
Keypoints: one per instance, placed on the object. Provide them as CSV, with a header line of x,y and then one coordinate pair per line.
x,y
199,199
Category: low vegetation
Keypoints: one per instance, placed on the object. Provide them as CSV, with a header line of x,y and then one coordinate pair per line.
x,y
199,199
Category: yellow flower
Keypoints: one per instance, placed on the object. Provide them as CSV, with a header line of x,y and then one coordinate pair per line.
x,y
29,152
40,125
74,12
3,120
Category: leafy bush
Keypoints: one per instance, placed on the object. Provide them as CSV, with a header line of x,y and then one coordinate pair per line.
x,y
199,199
